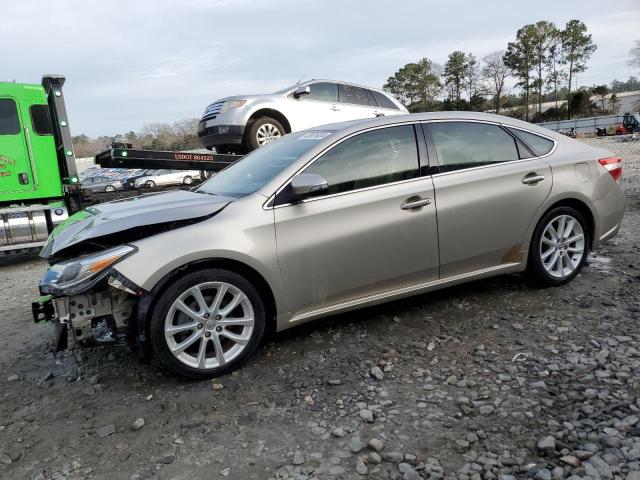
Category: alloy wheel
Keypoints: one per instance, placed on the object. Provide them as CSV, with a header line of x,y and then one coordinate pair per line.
x,y
267,133
209,325
562,246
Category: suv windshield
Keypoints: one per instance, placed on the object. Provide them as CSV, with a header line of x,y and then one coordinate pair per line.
x,y
260,166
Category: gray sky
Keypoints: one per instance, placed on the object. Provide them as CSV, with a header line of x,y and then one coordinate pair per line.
x,y
133,62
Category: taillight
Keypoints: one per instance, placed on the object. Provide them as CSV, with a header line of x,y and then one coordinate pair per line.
x,y
613,166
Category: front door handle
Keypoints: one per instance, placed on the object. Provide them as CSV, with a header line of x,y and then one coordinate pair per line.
x,y
378,114
532,178
335,108
411,204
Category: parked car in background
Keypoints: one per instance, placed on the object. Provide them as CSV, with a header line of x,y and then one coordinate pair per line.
x,y
243,123
161,177
129,180
101,183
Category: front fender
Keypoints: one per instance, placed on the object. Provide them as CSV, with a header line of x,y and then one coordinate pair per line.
x,y
244,234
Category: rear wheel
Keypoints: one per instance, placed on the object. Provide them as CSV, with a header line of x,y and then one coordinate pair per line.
x,y
110,188
263,131
188,180
207,323
559,247
149,184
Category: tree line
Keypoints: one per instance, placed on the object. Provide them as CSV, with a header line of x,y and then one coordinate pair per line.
x,y
542,59
181,135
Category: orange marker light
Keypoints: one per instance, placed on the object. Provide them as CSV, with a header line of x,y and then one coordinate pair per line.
x,y
102,264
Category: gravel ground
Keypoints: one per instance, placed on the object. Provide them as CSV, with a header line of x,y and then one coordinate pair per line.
x,y
494,379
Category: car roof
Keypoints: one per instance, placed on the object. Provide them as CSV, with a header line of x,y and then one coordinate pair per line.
x,y
352,126
316,80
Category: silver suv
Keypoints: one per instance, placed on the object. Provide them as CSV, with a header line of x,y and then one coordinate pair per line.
x,y
243,123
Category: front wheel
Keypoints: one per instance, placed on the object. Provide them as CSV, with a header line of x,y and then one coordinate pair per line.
x,y
110,189
559,247
150,184
188,180
263,131
207,323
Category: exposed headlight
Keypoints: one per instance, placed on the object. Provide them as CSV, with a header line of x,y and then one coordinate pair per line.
x,y
232,104
75,276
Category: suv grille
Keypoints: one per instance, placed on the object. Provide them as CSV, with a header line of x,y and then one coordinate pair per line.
x,y
212,110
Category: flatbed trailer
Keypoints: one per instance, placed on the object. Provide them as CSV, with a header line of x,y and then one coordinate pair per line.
x,y
116,157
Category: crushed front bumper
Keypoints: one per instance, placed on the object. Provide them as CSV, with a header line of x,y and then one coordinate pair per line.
x,y
93,317
44,310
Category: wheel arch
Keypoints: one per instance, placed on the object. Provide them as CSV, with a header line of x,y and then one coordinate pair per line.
x,y
576,203
275,114
149,301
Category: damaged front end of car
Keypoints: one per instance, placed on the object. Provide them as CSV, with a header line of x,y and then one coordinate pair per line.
x,y
83,295
88,300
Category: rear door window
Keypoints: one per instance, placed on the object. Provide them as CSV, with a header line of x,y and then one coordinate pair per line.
x,y
461,145
356,95
538,145
9,122
323,92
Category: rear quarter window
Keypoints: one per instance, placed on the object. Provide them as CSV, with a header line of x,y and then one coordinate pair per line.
x,y
538,145
9,122
384,101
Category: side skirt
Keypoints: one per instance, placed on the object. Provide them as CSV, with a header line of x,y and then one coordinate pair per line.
x,y
402,292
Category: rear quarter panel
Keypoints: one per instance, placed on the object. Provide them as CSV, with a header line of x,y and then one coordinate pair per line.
x,y
577,175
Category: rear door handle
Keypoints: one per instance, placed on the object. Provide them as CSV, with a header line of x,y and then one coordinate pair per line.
x,y
335,108
378,114
532,178
416,203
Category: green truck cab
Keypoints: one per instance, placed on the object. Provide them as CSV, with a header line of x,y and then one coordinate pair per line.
x,y
38,180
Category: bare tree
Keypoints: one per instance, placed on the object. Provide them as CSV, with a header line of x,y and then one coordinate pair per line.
x,y
634,61
495,72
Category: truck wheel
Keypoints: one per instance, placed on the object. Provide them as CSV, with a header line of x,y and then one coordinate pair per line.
x,y
110,188
188,180
262,131
206,323
149,184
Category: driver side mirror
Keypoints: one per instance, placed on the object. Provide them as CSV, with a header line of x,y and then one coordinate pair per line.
x,y
306,185
303,90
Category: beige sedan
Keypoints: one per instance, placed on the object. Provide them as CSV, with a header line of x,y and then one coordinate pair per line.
x,y
328,220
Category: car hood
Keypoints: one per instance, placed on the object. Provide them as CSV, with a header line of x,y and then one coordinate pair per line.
x,y
131,213
265,96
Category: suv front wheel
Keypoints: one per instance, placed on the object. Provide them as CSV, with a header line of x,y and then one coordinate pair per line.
x,y
262,131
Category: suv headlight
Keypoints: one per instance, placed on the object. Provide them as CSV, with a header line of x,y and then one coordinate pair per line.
x,y
232,104
76,276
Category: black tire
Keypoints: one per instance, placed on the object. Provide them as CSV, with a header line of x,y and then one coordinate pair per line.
x,y
165,300
535,267
251,133
150,184
109,188
188,180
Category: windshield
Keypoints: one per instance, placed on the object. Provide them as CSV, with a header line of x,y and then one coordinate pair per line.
x,y
260,166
